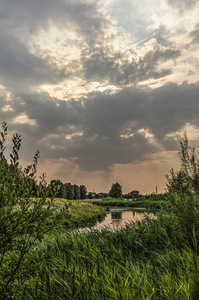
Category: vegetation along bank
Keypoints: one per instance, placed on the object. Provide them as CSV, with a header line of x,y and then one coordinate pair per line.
x,y
41,258
141,203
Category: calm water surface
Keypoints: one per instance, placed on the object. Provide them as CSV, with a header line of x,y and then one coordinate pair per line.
x,y
118,218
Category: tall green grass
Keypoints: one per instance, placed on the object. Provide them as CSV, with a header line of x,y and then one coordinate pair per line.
x,y
82,215
147,260
153,259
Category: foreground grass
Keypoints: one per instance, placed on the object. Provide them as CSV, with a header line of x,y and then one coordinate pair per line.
x,y
153,259
146,261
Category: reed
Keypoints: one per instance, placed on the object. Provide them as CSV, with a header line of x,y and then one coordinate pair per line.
x,y
144,261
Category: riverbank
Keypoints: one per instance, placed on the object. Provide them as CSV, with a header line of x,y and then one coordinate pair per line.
x,y
149,204
83,215
76,213
147,261
153,259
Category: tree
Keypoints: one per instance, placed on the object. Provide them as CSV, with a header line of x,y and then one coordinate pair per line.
x,y
61,188
70,191
178,182
90,195
76,192
187,178
83,192
116,190
22,220
183,187
189,162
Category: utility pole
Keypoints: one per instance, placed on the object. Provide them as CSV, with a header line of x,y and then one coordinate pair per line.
x,y
156,189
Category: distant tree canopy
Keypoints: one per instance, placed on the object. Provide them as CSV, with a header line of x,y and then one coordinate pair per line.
x,y
68,190
60,186
76,192
116,190
90,195
83,192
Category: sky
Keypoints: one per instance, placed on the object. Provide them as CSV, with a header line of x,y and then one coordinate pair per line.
x,y
103,88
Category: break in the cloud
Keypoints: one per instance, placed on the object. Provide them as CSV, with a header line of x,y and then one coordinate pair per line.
x,y
103,89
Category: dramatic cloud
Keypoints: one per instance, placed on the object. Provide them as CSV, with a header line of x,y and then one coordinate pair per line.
x,y
195,34
120,70
97,131
99,86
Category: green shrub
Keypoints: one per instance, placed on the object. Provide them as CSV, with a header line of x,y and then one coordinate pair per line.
x,y
183,187
22,221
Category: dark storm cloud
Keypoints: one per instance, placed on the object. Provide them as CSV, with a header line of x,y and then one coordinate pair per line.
x,y
119,71
148,65
94,127
34,15
23,19
102,130
162,111
21,69
110,151
195,35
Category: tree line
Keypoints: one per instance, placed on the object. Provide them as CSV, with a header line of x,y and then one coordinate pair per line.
x,y
67,190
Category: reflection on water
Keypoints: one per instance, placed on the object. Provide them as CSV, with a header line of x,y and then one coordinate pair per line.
x,y
118,218
116,215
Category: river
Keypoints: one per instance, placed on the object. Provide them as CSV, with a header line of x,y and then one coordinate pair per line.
x,y
118,217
